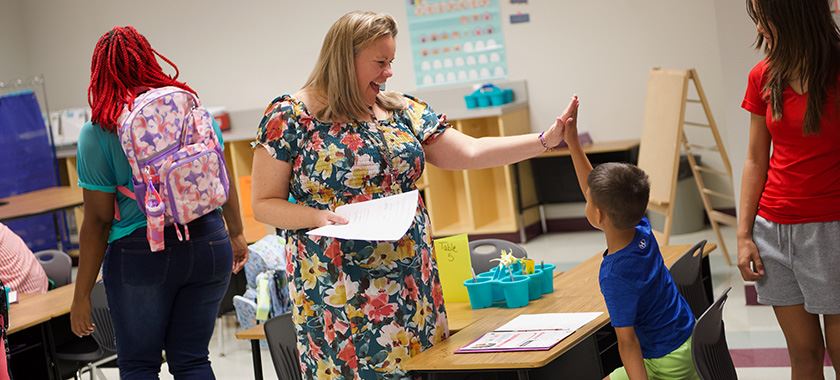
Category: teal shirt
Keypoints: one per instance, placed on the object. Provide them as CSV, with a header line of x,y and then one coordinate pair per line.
x,y
102,166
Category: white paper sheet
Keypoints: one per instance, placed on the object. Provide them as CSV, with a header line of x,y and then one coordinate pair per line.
x,y
383,219
549,321
516,341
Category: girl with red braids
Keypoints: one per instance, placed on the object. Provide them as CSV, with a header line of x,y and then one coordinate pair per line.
x,y
158,301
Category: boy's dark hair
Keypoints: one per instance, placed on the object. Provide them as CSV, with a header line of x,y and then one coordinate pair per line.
x,y
621,191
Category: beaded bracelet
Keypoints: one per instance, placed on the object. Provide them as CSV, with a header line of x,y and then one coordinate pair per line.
x,y
542,141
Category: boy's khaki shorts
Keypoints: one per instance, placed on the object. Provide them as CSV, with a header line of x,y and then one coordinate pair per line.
x,y
676,365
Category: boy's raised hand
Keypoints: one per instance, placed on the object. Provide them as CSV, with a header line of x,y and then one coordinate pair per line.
x,y
570,133
556,133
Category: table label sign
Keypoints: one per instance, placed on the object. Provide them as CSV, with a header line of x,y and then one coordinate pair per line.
x,y
454,266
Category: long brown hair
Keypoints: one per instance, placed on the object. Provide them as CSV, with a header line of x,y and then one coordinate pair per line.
x,y
123,60
804,44
334,75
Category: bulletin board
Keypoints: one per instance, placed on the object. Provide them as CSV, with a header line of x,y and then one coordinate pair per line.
x,y
456,41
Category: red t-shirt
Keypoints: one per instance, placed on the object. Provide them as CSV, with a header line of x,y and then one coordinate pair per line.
x,y
803,180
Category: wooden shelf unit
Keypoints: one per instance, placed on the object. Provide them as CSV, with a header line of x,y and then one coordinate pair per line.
x,y
481,201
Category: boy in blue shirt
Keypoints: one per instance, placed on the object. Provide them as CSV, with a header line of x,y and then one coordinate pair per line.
x,y
652,320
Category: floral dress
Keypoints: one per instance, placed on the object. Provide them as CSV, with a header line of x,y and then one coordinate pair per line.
x,y
361,308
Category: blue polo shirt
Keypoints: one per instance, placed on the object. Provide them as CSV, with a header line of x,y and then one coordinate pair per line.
x,y
640,293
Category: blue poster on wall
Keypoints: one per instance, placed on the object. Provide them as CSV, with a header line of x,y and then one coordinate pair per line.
x,y
456,41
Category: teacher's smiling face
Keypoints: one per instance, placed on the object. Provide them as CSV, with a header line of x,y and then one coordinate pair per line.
x,y
373,67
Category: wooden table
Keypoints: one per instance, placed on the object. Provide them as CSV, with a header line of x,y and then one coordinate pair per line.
x,y
30,320
459,316
601,147
32,309
575,291
39,202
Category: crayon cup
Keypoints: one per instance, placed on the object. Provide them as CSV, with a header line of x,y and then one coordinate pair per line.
x,y
480,292
548,277
535,284
498,295
516,291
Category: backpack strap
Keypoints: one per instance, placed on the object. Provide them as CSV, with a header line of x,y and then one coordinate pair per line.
x,y
124,191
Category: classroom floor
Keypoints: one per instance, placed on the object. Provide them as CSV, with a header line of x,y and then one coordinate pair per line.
x,y
754,337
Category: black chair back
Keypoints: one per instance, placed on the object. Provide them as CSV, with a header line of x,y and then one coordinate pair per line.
x,y
282,343
687,275
101,315
480,256
708,344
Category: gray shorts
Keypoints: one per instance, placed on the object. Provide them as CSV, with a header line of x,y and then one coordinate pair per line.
x,y
801,264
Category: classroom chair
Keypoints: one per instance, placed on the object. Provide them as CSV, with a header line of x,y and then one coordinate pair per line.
x,y
104,334
57,265
282,343
99,348
708,344
687,274
480,255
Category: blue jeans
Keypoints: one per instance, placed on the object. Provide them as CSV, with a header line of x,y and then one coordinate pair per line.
x,y
167,300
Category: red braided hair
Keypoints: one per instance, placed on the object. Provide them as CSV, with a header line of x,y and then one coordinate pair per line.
x,y
123,62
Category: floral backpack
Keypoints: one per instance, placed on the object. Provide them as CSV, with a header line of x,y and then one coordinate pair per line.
x,y
177,165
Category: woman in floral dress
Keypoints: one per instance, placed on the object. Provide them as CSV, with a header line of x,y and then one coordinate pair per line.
x,y
361,308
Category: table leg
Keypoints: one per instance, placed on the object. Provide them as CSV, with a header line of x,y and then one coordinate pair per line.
x,y
255,354
49,349
522,374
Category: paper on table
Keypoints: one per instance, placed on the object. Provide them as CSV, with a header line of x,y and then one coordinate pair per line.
x,y
530,332
549,321
383,219
516,341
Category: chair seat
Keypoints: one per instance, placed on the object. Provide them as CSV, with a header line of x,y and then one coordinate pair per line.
x,y
81,350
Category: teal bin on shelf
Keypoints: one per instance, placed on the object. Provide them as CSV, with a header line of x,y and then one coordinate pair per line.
x,y
480,291
471,101
516,291
488,95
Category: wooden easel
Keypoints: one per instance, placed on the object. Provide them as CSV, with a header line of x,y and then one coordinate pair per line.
x,y
663,137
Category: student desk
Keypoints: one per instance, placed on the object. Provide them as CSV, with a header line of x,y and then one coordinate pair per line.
x,y
459,316
590,352
39,202
32,340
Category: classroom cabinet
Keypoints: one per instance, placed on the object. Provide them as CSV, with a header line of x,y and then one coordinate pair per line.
x,y
482,201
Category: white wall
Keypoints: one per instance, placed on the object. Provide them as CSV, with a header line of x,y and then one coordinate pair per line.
x,y
736,33
13,48
235,54
603,51
240,55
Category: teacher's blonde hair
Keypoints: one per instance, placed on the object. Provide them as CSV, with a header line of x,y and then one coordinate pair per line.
x,y
334,75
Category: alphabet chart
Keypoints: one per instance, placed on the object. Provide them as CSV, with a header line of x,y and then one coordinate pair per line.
x,y
456,41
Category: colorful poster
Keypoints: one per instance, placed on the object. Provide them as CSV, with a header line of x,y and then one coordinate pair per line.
x,y
456,41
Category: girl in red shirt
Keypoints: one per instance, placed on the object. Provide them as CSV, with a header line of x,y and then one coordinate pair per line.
x,y
789,222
